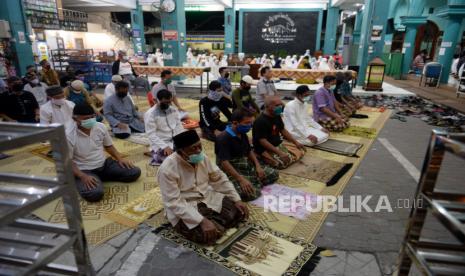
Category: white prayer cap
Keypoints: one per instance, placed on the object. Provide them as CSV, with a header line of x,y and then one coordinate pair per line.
x,y
116,78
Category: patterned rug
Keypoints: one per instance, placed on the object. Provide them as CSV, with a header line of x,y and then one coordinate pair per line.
x,y
97,227
339,147
360,131
138,210
251,249
318,169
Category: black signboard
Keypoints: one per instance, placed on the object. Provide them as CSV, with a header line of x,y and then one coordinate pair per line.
x,y
267,32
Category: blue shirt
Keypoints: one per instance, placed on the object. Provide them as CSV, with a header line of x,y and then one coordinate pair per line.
x,y
226,85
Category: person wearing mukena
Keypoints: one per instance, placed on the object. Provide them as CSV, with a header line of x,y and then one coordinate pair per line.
x,y
200,202
88,140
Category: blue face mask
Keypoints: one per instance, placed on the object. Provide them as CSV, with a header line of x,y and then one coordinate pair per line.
x,y
278,110
243,128
89,123
214,95
196,158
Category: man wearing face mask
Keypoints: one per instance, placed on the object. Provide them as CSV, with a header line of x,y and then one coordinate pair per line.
x,y
241,97
87,141
210,108
200,202
110,88
236,158
162,123
300,123
121,113
18,105
76,93
268,131
327,111
47,74
124,68
265,87
36,87
224,80
166,84
57,109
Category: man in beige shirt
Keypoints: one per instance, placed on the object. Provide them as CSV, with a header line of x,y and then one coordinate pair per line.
x,y
199,200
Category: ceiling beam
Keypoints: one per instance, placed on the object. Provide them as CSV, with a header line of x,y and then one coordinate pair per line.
x,y
225,3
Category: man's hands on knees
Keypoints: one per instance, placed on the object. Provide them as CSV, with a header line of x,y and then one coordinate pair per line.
x,y
89,181
242,208
209,230
246,187
125,164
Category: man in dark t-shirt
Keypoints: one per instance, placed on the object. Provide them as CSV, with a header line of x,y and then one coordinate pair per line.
x,y
210,109
18,105
236,158
242,98
268,131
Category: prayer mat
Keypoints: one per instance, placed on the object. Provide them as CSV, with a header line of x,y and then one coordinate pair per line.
x,y
339,147
359,131
318,169
271,194
372,109
139,138
252,249
97,227
135,212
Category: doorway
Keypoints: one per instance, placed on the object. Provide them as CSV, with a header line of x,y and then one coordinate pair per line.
x,y
427,37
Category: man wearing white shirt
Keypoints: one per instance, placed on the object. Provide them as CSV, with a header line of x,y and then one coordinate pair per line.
x,y
162,123
299,122
57,109
87,142
36,87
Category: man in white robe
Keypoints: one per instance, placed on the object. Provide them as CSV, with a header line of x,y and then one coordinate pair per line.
x,y
299,123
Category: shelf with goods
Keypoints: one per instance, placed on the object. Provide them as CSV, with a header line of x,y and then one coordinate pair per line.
x,y
78,59
43,14
75,21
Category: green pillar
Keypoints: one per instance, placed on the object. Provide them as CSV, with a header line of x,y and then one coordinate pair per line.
x,y
380,16
357,27
229,30
137,24
173,26
454,14
411,24
12,11
332,20
362,55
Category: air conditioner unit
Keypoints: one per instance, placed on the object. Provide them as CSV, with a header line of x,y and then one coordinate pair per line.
x,y
4,29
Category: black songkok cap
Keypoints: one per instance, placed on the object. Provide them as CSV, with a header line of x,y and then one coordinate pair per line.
x,y
185,139
83,109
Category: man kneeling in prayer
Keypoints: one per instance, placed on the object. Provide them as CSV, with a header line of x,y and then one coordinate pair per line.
x,y
267,131
235,157
199,200
162,122
299,122
87,140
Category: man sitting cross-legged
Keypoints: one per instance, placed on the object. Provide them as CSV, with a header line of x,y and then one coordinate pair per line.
x,y
58,109
299,122
121,114
162,122
87,140
199,200
268,129
237,159
327,111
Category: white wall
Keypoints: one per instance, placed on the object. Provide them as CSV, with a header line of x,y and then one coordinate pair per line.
x,y
96,38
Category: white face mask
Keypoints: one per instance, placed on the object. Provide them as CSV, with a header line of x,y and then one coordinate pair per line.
x,y
58,101
35,81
